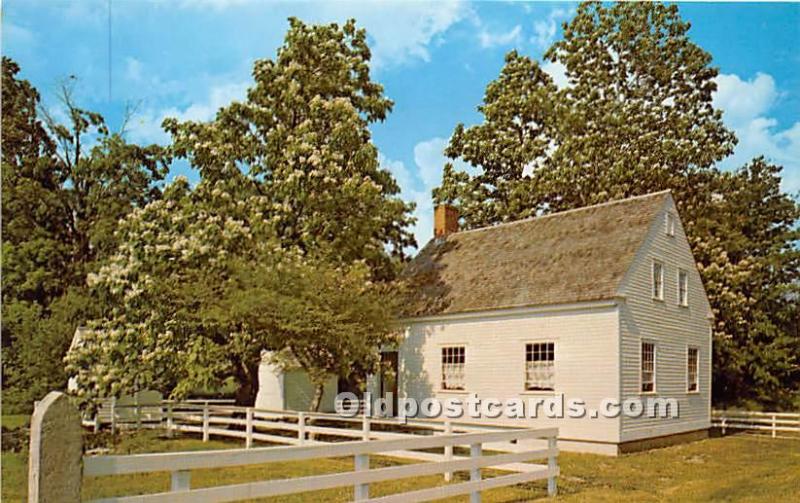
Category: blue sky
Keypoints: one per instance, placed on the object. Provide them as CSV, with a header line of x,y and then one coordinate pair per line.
x,y
186,58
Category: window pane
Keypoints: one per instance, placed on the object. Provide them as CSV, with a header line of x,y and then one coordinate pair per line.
x,y
658,280
648,366
540,366
683,288
453,363
692,361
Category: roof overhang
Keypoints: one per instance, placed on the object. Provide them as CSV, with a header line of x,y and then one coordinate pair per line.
x,y
516,311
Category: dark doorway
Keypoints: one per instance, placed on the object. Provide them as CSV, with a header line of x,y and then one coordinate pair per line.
x,y
351,384
389,366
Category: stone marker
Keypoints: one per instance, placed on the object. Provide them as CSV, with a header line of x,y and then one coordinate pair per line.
x,y
56,451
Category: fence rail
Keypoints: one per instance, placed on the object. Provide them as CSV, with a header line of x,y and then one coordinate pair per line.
x,y
302,432
772,422
287,427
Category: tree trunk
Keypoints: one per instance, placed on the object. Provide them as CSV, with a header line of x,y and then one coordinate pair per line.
x,y
319,389
248,386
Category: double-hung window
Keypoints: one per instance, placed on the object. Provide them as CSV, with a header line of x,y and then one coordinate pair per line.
x,y
648,370
658,280
453,360
683,288
692,362
540,359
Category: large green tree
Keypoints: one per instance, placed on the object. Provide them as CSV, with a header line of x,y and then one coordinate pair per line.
x,y
636,116
64,188
301,139
286,244
744,238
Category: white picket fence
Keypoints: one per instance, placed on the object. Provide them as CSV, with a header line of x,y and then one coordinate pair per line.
x,y
771,422
304,431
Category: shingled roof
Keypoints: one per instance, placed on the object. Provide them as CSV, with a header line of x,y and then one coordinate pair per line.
x,y
573,256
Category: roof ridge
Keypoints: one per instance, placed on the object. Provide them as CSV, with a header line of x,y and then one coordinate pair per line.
x,y
564,212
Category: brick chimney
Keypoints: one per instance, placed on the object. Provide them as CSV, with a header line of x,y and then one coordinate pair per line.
x,y
445,220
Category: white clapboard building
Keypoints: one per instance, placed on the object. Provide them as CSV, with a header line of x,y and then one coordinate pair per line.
x,y
602,303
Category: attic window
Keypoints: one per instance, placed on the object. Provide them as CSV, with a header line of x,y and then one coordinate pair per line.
x,y
670,224
453,361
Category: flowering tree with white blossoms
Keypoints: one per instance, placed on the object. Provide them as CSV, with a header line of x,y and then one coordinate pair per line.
x,y
201,288
301,139
289,242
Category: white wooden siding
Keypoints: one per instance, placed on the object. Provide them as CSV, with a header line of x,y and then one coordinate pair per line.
x,y
300,392
672,327
586,362
291,390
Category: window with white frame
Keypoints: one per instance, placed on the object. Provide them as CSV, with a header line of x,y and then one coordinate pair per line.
x,y
692,362
670,224
453,360
658,280
540,359
648,375
683,288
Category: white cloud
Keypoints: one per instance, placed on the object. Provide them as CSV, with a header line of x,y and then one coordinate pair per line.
x,y
146,126
429,157
544,30
558,72
544,33
399,32
743,100
746,105
86,12
133,69
417,184
21,36
489,39
413,191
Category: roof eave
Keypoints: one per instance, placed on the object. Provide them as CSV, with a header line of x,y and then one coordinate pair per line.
x,y
601,303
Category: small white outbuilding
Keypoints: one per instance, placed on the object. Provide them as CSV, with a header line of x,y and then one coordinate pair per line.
x,y
603,304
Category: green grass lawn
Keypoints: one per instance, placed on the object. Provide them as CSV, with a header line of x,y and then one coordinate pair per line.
x,y
15,421
734,468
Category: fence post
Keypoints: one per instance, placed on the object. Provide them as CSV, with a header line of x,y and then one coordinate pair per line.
x,y
138,416
724,420
365,427
169,420
180,481
774,426
56,451
205,422
551,466
97,421
249,425
361,491
448,449
301,427
113,415
475,473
